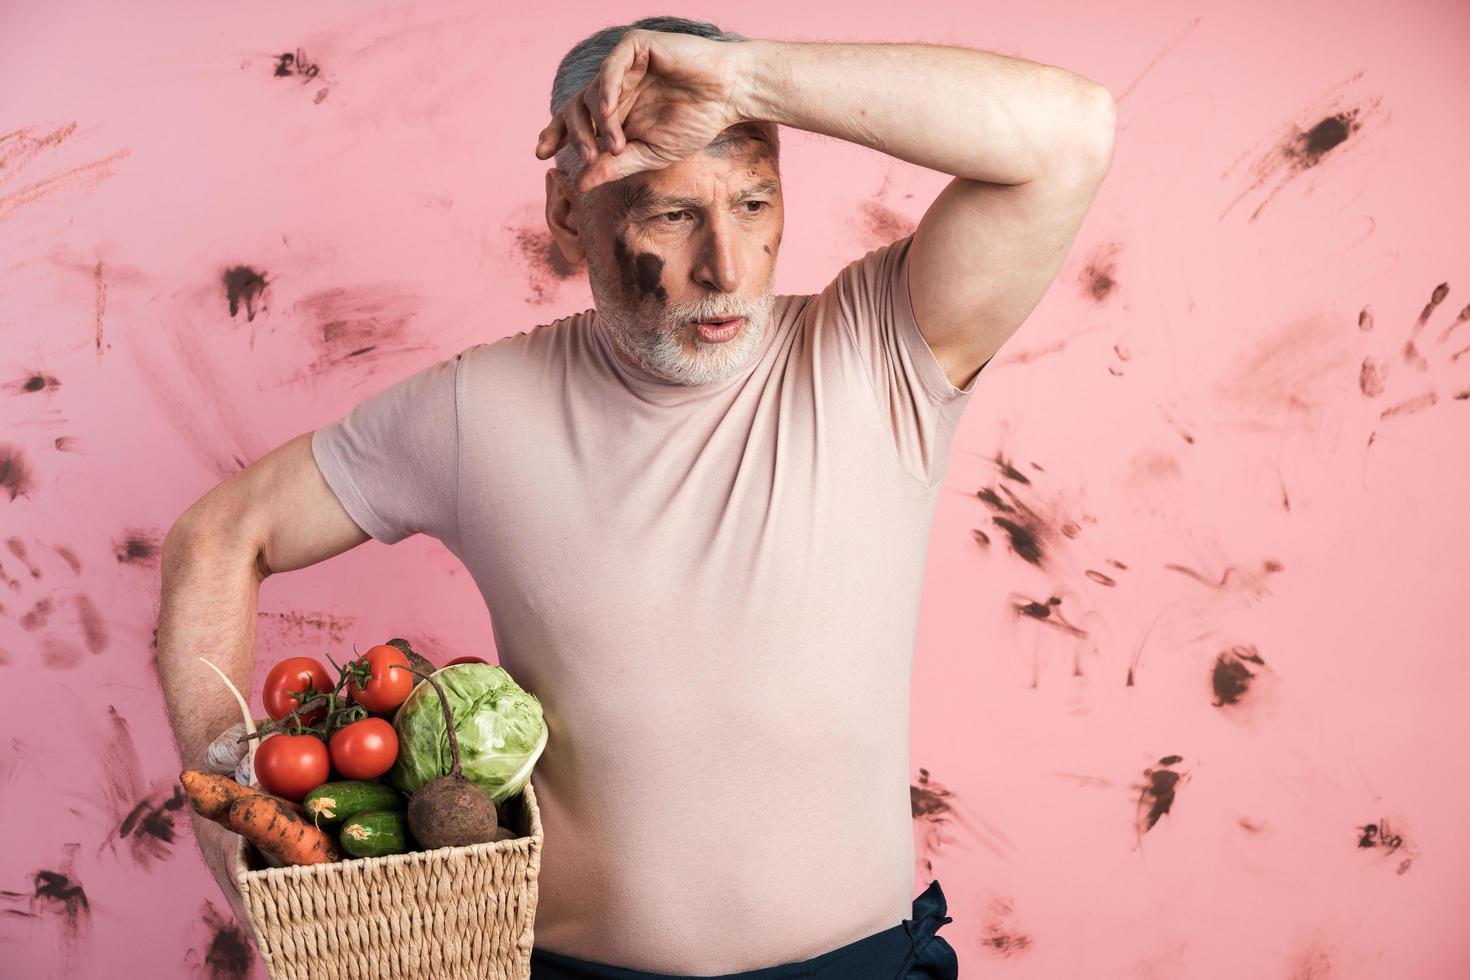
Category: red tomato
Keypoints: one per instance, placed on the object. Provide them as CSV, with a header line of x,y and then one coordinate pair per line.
x,y
467,660
364,749
290,766
294,674
387,687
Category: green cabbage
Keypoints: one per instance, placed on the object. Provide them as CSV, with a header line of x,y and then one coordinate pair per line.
x,y
501,730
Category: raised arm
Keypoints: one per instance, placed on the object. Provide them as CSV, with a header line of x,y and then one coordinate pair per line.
x,y
275,515
1027,143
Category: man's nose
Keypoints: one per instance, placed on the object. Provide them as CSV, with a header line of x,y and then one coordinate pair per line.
x,y
720,265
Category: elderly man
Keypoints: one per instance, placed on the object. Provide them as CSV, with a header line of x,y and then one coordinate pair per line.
x,y
699,512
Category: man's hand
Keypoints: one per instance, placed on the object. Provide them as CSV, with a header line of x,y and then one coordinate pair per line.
x,y
659,97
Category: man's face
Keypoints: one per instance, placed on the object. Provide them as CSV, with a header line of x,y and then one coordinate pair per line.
x,y
693,242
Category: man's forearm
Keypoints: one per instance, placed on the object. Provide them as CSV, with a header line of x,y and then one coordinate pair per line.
x,y
963,112
210,594
211,588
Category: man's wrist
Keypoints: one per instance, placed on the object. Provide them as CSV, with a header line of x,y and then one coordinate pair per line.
x,y
756,89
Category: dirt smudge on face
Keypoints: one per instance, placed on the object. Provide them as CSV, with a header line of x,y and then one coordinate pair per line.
x,y
639,272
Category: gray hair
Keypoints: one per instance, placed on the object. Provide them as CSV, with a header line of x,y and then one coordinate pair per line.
x,y
581,65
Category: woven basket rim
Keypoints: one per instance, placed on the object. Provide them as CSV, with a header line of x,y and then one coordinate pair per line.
x,y
530,842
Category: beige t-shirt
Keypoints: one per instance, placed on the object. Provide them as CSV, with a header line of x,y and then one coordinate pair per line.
x,y
714,591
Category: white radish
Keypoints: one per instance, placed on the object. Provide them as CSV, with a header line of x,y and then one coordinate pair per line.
x,y
249,722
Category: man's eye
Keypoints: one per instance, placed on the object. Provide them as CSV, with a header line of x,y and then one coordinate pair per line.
x,y
667,213
761,203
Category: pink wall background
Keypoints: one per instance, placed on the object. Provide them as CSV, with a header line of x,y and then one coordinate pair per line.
x,y
1196,604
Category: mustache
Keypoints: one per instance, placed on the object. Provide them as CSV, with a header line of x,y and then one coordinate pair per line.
x,y
708,316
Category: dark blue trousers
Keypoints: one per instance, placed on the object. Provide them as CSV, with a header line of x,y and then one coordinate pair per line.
x,y
911,950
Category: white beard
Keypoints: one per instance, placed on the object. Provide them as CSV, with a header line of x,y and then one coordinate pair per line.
x,y
658,349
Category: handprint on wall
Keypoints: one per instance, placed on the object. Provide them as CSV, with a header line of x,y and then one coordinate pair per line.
x,y
54,617
1409,377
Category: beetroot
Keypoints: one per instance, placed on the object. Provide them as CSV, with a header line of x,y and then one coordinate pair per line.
x,y
451,811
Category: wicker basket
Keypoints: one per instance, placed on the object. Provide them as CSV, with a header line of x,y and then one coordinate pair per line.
x,y
452,912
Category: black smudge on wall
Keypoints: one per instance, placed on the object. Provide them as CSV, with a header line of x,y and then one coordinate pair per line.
x,y
1025,529
1156,796
359,327
145,820
1231,677
140,547
1099,275
882,225
929,803
1305,147
244,286
222,950
998,932
546,267
938,811
55,897
32,382
121,772
1376,377
151,827
297,64
16,477
1379,836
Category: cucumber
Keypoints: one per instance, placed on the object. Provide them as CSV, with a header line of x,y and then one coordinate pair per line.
x,y
376,833
331,803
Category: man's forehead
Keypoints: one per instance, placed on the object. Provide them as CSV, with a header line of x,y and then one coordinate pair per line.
x,y
657,188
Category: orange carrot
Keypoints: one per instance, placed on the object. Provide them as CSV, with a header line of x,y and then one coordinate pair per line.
x,y
211,794
271,826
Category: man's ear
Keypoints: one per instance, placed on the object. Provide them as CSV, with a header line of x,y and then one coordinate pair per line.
x,y
563,217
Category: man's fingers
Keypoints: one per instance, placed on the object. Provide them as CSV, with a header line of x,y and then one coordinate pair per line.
x,y
609,131
551,139
612,78
608,167
579,128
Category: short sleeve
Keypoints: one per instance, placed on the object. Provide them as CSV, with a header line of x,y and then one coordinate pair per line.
x,y
870,303
393,460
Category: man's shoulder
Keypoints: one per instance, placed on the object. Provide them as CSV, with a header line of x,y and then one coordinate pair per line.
x,y
550,333
529,353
